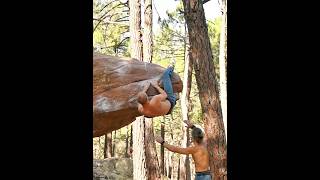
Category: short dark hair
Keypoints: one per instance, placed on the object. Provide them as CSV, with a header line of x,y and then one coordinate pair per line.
x,y
197,134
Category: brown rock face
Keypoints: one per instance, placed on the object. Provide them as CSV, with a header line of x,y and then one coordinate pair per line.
x,y
116,82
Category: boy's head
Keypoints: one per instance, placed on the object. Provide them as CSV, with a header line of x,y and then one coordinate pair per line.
x,y
197,135
142,98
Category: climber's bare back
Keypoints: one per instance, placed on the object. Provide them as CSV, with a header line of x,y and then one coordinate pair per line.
x,y
155,107
201,158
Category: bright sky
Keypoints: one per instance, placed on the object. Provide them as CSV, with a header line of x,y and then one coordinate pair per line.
x,y
211,9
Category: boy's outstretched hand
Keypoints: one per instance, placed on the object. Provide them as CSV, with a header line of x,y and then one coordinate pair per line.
x,y
159,139
189,124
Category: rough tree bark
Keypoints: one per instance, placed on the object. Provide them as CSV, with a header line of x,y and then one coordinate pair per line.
x,y
171,159
114,144
207,84
153,170
131,142
162,147
139,167
107,145
127,143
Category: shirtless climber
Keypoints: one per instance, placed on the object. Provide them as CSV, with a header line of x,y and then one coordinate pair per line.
x,y
161,104
198,151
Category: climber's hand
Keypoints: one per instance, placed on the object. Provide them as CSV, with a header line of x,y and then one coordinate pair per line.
x,y
159,139
147,86
189,124
154,84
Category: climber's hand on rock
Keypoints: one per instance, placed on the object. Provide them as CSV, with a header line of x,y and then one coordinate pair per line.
x,y
154,84
146,86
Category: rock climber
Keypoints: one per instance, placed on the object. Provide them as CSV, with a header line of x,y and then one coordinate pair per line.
x,y
161,104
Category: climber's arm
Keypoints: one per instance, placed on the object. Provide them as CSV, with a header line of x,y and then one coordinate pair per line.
x,y
188,150
163,95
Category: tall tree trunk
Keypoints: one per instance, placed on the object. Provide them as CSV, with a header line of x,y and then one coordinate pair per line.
x,y
138,156
187,79
171,160
168,164
127,142
175,167
178,174
99,141
107,145
222,64
147,31
151,153
223,80
114,144
207,84
131,139
153,169
162,147
131,142
135,29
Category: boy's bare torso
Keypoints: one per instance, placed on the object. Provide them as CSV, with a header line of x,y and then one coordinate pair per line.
x,y
201,158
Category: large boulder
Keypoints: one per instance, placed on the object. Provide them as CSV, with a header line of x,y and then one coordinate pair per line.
x,y
113,169
116,82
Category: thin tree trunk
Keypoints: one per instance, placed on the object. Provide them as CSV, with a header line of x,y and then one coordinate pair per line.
x,y
99,141
147,32
179,173
114,144
127,142
107,145
187,79
151,153
174,170
171,162
138,156
135,29
131,140
167,164
153,169
162,148
139,167
207,84
223,82
222,64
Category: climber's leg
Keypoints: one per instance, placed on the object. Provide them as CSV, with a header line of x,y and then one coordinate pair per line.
x,y
167,85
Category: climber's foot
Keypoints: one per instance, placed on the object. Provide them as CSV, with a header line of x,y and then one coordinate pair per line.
x,y
171,66
177,96
172,63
